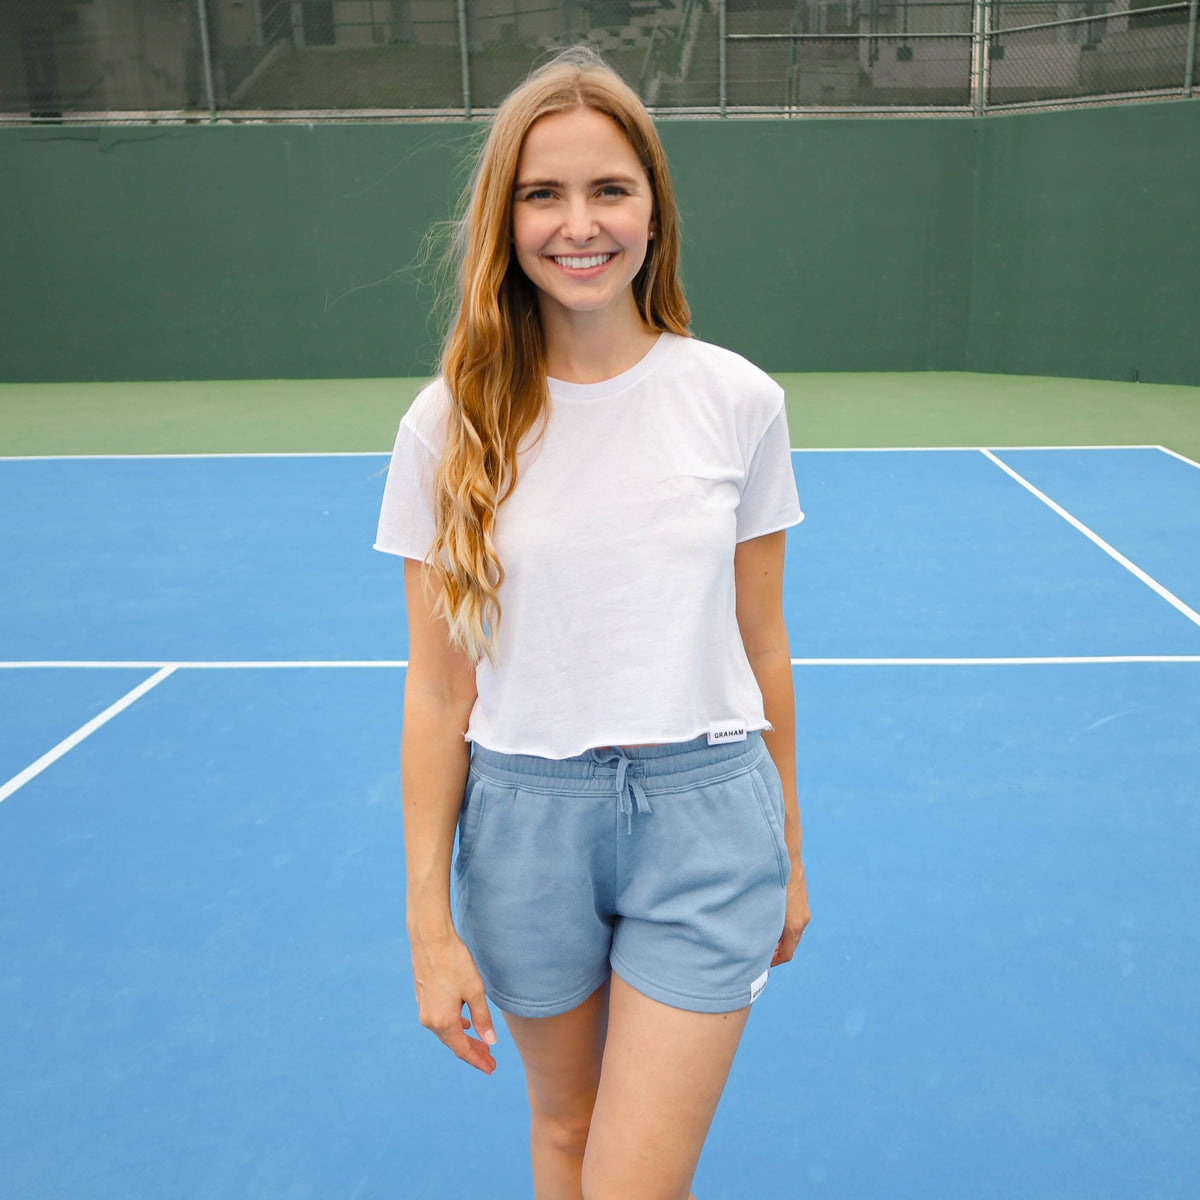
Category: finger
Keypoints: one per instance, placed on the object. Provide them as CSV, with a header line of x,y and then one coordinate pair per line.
x,y
470,1050
482,1019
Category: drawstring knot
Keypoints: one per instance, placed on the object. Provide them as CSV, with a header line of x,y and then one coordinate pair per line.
x,y
626,784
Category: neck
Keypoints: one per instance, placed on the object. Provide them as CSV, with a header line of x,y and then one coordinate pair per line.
x,y
589,347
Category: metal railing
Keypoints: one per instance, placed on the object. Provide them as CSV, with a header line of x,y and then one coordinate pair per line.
x,y
264,60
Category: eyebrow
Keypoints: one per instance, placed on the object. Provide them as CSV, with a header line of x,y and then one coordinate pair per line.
x,y
536,183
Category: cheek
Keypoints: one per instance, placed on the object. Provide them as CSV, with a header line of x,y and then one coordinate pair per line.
x,y
635,227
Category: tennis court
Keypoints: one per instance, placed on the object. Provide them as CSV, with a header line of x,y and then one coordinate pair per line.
x,y
204,977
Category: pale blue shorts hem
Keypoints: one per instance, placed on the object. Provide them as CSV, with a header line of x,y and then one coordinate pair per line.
x,y
674,997
547,1008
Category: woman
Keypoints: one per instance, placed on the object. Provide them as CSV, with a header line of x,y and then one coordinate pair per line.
x,y
591,505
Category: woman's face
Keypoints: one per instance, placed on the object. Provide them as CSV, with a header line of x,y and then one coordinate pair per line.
x,y
582,211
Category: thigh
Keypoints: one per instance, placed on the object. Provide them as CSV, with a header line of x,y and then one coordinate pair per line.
x,y
562,1057
663,1072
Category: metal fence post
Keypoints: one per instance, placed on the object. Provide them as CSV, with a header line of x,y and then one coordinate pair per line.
x,y
979,55
1190,74
206,52
466,60
722,40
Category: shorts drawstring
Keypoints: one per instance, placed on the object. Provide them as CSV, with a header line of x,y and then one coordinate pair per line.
x,y
625,784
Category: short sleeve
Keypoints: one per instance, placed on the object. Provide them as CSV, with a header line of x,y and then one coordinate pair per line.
x,y
406,519
769,498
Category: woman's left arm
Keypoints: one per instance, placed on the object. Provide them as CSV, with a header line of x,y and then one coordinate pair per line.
x,y
758,576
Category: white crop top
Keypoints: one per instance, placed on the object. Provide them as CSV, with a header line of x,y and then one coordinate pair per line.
x,y
618,622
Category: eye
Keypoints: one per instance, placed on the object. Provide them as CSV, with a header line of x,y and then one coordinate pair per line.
x,y
538,194
614,189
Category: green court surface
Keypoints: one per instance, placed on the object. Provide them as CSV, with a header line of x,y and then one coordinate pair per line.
x,y
825,409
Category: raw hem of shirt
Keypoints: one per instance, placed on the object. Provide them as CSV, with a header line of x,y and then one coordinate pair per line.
x,y
772,529
549,1008
398,553
675,998
631,740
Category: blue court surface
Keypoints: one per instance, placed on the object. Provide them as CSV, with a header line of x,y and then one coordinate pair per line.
x,y
205,987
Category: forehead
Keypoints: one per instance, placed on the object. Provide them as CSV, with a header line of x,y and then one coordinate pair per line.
x,y
579,142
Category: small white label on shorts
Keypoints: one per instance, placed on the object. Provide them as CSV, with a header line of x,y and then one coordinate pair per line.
x,y
726,731
758,985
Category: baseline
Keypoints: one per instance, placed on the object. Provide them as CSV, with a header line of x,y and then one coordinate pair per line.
x,y
1191,462
387,453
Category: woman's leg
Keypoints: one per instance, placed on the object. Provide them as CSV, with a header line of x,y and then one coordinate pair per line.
x,y
561,1056
662,1074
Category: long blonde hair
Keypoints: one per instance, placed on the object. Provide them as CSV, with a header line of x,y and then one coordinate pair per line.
x,y
493,361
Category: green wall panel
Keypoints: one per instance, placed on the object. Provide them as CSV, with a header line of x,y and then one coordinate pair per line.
x,y
1086,255
1049,243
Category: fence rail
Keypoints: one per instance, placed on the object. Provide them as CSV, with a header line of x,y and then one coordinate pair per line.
x,y
136,61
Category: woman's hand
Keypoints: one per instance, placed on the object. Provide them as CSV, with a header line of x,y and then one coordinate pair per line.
x,y
446,978
797,915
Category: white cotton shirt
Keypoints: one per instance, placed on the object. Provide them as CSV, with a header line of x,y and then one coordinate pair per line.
x,y
618,622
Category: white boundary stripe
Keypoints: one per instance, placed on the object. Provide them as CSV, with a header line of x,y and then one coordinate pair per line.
x,y
953,449
1175,454
387,453
68,743
994,662
213,454
200,665
394,663
1170,597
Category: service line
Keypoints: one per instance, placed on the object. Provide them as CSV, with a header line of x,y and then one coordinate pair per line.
x,y
400,663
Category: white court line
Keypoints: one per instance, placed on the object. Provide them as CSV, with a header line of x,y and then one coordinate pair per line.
x,y
1170,597
387,453
955,449
1175,454
18,781
994,662
214,454
235,665
204,664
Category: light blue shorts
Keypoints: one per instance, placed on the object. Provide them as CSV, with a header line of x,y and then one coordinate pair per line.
x,y
666,864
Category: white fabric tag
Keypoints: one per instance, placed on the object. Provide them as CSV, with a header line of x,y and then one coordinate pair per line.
x,y
758,985
726,731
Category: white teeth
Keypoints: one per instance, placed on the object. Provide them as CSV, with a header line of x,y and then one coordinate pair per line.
x,y
581,264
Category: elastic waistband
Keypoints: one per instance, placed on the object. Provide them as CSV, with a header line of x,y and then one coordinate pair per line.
x,y
670,767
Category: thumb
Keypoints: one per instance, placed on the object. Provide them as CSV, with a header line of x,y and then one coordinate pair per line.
x,y
482,1020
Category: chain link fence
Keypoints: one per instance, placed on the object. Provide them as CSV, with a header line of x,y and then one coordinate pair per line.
x,y
207,60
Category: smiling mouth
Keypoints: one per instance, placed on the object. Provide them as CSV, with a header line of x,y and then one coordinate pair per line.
x,y
574,263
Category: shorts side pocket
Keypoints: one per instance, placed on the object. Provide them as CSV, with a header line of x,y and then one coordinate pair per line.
x,y
470,817
769,791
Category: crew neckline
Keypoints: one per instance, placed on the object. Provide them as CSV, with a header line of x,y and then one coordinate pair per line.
x,y
562,389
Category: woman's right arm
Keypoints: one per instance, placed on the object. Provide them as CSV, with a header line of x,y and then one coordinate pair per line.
x,y
439,692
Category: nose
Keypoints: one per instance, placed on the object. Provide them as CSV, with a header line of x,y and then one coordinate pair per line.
x,y
579,225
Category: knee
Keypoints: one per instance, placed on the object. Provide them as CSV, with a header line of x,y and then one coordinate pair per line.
x,y
566,1133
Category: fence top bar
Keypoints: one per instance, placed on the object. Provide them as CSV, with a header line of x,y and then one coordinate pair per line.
x,y
965,35
993,33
